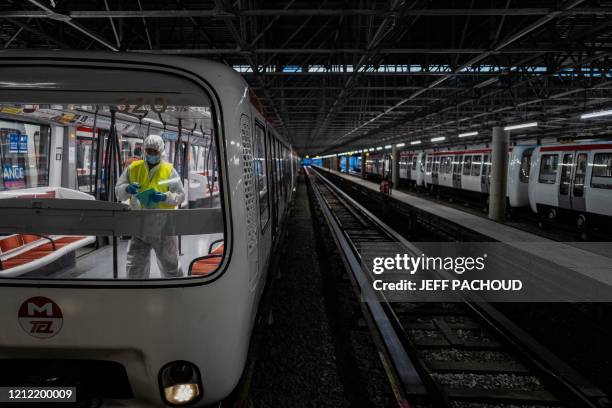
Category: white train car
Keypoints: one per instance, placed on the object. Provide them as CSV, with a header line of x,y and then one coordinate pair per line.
x,y
411,168
71,313
573,179
469,170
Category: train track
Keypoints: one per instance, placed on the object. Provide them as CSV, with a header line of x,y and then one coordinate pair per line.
x,y
463,354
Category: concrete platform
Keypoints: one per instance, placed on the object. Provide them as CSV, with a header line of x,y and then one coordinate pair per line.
x,y
532,250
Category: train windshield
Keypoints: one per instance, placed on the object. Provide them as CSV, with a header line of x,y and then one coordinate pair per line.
x,y
107,174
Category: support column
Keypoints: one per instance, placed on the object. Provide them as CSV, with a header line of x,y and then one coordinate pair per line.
x,y
394,166
499,174
363,165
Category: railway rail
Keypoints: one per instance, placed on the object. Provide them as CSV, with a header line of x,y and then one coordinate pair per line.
x,y
444,354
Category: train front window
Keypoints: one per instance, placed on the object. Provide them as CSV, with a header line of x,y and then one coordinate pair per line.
x,y
548,169
100,183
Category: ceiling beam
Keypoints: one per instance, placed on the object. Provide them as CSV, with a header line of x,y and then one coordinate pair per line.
x,y
219,13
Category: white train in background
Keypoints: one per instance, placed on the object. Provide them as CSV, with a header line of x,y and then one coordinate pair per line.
x,y
71,315
557,179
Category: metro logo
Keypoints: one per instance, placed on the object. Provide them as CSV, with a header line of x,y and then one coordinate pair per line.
x,y
34,309
41,327
40,317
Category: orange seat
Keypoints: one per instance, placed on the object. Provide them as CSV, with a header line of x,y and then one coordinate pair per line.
x,y
29,238
32,254
48,194
11,263
35,253
11,242
205,265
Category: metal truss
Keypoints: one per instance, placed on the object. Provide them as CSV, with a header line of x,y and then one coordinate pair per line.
x,y
338,75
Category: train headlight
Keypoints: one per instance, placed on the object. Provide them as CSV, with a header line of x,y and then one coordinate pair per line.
x,y
180,383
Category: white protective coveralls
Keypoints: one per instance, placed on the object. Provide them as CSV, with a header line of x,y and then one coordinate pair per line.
x,y
165,246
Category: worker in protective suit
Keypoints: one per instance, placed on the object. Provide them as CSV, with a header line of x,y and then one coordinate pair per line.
x,y
141,176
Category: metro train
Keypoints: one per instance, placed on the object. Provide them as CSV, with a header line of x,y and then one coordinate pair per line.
x,y
550,179
70,122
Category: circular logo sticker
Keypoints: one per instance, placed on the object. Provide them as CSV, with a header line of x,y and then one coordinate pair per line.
x,y
40,317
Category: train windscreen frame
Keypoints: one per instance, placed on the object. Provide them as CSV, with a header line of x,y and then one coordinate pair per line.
x,y
56,231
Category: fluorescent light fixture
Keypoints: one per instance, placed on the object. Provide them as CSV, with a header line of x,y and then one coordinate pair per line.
x,y
157,122
400,145
596,114
387,146
371,149
438,139
468,134
415,142
521,126
379,148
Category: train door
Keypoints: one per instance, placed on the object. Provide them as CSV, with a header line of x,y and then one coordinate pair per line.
x,y
457,172
578,192
567,165
434,170
272,187
486,174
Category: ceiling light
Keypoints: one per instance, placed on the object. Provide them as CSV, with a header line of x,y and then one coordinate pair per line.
x,y
521,126
387,146
415,142
596,114
400,145
468,134
379,148
438,139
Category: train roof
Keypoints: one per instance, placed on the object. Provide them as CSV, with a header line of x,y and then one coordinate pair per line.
x,y
201,67
603,145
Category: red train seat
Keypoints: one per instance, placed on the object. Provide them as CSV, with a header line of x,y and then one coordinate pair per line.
x,y
22,253
209,263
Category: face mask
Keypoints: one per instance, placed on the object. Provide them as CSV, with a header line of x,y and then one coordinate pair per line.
x,y
152,159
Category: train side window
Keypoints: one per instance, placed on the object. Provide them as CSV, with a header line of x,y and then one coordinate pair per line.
x,y
566,173
414,162
449,164
579,174
602,171
26,163
548,169
261,175
476,165
457,165
525,166
467,165
436,164
428,167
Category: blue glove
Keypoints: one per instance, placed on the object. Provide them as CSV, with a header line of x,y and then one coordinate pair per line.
x,y
133,188
158,197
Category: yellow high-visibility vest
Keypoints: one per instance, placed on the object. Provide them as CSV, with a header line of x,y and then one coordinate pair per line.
x,y
139,173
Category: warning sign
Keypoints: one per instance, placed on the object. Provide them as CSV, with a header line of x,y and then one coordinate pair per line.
x,y
40,317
